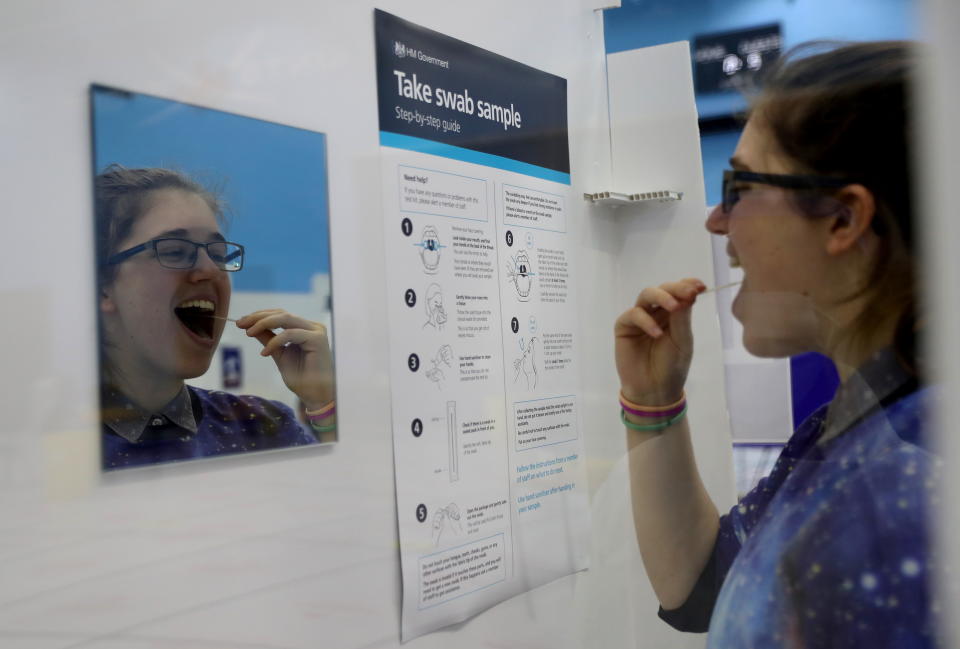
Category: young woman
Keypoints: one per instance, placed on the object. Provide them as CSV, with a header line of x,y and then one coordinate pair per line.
x,y
831,549
164,296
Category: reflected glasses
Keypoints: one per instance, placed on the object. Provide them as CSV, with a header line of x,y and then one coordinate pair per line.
x,y
731,193
181,254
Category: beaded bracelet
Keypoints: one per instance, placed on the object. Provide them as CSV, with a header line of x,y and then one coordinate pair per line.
x,y
670,410
653,427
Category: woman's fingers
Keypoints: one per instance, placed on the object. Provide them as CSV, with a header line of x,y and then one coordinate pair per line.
x,y
654,341
265,337
308,340
671,295
637,320
654,306
287,337
276,328
300,349
657,297
269,319
251,318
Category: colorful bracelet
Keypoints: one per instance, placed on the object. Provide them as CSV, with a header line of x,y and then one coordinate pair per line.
x,y
323,429
652,427
322,412
316,416
670,410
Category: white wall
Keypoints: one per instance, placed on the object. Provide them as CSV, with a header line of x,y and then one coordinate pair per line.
x,y
656,145
297,549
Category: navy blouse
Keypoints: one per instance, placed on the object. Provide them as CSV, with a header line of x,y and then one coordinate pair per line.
x,y
225,424
832,549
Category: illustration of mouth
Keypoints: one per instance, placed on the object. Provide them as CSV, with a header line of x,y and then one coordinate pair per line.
x,y
523,284
196,316
431,259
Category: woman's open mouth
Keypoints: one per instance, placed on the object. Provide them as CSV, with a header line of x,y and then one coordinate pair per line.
x,y
197,316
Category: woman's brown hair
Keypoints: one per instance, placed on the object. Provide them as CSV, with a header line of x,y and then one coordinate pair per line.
x,y
122,195
843,111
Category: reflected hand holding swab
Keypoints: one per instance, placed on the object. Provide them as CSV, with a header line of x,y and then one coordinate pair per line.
x,y
220,317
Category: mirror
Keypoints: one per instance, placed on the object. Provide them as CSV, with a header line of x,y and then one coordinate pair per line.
x,y
213,282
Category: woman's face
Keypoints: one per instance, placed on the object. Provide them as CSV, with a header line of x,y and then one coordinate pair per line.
x,y
147,308
781,252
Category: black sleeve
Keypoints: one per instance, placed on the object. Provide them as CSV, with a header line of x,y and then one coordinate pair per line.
x,y
694,615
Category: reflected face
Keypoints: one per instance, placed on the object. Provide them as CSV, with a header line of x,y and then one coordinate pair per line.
x,y
781,252
154,317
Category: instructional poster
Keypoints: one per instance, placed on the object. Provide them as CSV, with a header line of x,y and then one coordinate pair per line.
x,y
488,445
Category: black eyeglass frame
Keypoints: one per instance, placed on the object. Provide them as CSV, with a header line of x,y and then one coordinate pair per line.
x,y
123,255
731,195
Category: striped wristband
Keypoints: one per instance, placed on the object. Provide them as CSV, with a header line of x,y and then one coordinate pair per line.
x,y
316,416
653,427
670,410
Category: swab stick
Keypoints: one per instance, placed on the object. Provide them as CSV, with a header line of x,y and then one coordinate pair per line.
x,y
720,288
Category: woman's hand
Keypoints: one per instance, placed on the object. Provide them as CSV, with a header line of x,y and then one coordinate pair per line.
x,y
653,343
301,352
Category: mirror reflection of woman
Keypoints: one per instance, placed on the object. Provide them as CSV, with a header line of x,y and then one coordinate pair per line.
x,y
164,297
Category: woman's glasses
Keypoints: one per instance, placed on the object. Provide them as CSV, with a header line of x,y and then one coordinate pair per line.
x,y
731,192
181,254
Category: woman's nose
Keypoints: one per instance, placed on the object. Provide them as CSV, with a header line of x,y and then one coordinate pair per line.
x,y
717,220
204,266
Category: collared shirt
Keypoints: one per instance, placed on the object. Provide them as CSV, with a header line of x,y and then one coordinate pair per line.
x,y
878,380
224,424
131,422
832,549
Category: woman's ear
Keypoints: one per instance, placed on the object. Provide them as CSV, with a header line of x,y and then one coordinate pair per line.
x,y
852,219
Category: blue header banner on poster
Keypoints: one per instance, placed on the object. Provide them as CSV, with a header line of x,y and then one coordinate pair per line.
x,y
436,88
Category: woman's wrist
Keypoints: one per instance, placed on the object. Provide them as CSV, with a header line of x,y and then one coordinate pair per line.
x,y
658,408
655,398
325,411
642,420
651,418
649,425
317,399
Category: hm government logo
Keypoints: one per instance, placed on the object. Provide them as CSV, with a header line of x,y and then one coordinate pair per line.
x,y
399,49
